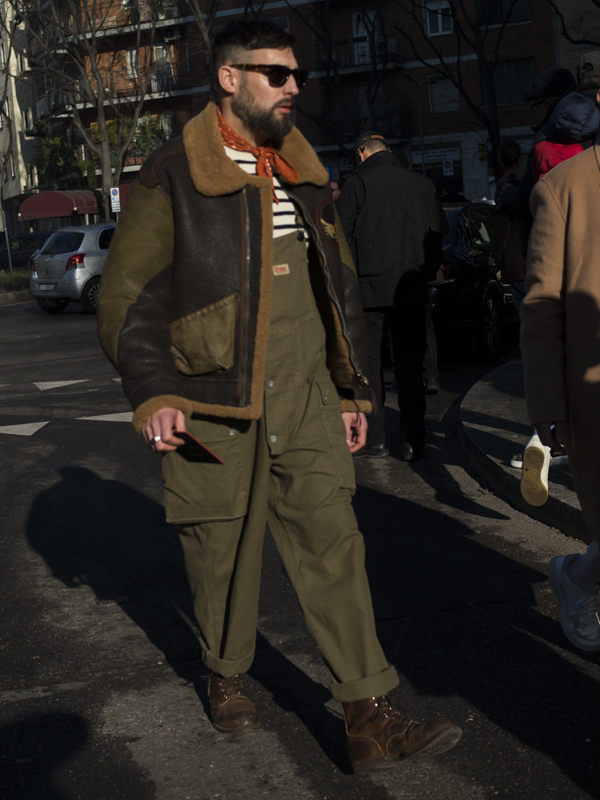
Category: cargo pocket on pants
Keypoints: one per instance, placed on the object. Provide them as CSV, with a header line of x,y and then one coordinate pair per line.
x,y
197,492
336,432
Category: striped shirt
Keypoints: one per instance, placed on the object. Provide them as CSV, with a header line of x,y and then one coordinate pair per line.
x,y
285,217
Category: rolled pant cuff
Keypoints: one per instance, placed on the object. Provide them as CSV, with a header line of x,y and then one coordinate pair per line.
x,y
373,686
228,668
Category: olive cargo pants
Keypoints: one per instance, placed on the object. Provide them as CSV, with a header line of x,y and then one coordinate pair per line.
x,y
291,469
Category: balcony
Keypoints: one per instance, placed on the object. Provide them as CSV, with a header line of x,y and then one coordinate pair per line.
x,y
360,55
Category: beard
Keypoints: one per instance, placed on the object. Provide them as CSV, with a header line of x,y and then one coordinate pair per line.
x,y
262,120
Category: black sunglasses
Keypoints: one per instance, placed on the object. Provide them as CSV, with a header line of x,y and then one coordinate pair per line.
x,y
277,74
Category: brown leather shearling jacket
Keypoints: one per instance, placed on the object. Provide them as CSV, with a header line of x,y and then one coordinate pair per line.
x,y
185,294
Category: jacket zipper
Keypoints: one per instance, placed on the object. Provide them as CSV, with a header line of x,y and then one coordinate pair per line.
x,y
330,291
246,320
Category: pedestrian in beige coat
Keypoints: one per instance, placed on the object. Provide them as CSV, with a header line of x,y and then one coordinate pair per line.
x,y
560,343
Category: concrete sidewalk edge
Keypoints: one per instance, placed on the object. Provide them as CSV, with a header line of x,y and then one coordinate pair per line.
x,y
555,512
10,298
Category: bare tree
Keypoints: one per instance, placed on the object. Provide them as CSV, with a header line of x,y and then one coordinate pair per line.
x,y
582,27
339,117
8,34
473,34
76,64
205,12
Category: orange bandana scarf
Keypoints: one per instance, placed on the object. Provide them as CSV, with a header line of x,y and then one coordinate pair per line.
x,y
267,158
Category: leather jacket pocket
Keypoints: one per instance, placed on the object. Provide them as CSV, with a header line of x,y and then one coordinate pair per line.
x,y
199,492
205,340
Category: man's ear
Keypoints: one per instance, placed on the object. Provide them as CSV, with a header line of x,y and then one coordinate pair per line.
x,y
227,79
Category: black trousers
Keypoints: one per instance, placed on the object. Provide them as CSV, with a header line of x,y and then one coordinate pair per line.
x,y
406,325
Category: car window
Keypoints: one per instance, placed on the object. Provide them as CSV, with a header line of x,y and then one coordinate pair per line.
x,y
63,242
105,238
453,217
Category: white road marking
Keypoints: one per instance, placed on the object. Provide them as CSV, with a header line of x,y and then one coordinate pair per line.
x,y
45,385
118,380
124,416
23,430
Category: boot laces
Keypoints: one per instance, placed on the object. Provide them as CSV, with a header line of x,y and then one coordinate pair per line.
x,y
383,706
231,686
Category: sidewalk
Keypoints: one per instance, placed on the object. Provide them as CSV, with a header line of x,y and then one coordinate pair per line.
x,y
493,427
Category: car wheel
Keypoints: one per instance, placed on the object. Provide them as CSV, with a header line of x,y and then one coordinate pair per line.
x,y
490,332
89,296
51,306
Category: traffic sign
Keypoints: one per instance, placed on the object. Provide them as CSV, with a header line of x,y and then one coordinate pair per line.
x,y
448,167
115,199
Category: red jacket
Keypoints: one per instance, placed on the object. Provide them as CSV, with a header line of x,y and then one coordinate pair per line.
x,y
546,155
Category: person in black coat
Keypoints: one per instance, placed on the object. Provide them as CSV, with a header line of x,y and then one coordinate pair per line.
x,y
391,219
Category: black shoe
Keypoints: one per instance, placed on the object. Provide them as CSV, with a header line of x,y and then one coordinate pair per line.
x,y
410,453
432,385
372,451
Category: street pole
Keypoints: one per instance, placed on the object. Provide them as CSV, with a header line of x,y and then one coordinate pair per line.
x,y
421,127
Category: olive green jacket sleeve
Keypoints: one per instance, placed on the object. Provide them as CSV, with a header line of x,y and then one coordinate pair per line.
x,y
133,317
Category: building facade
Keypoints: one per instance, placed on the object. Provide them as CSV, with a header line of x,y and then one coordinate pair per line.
x,y
399,67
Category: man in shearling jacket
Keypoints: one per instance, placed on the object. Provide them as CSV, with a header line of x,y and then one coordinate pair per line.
x,y
229,305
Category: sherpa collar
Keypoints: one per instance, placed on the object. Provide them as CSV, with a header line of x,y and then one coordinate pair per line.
x,y
215,174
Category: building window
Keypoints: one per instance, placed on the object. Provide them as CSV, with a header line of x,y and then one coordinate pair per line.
x,y
283,22
162,77
12,166
443,94
167,124
361,25
438,17
497,12
511,78
132,58
2,56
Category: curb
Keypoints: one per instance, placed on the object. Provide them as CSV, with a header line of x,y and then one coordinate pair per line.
x,y
8,298
562,508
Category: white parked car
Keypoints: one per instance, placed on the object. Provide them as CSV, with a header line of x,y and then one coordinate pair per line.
x,y
67,267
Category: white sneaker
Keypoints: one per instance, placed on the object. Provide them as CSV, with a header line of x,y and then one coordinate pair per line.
x,y
578,609
555,461
534,480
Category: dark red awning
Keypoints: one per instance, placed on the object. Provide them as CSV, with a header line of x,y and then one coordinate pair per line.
x,y
58,204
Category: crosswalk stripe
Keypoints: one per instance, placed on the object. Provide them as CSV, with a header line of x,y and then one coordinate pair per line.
x,y
28,429
45,385
125,416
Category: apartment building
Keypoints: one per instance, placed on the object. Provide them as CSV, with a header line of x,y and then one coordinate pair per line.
x,y
383,65
407,49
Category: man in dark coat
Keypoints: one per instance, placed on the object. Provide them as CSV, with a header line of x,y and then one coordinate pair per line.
x,y
391,220
506,251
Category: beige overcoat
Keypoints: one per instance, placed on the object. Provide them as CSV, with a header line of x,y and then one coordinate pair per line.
x,y
560,317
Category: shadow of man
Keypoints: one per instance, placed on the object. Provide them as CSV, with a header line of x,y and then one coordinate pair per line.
x,y
112,538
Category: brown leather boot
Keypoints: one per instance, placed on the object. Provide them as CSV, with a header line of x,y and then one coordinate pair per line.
x,y
230,709
379,736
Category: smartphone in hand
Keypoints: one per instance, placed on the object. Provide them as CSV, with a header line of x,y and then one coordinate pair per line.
x,y
194,451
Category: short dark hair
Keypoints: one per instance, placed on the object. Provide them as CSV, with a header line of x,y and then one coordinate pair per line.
x,y
248,35
509,153
374,145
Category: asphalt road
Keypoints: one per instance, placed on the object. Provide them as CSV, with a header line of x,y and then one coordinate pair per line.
x,y
102,689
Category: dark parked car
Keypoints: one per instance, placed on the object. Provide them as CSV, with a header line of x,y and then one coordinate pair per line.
x,y
469,294
22,247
